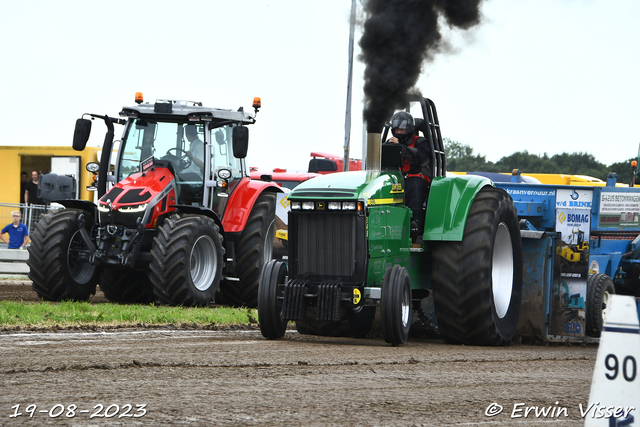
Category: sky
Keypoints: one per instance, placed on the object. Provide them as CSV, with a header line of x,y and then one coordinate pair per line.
x,y
546,76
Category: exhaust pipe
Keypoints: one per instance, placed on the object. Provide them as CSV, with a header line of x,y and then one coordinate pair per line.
x,y
372,161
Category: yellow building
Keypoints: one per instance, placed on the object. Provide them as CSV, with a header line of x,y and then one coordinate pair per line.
x,y
60,160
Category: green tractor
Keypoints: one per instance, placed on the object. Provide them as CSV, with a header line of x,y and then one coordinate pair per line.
x,y
351,251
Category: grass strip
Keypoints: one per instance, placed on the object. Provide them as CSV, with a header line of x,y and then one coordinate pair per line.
x,y
68,314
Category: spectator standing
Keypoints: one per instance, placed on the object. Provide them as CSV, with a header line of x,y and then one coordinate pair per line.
x,y
18,232
31,191
31,198
24,178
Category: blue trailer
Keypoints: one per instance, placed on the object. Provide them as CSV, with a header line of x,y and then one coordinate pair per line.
x,y
580,245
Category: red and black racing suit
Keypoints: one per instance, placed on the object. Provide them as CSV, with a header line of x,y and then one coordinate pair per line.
x,y
417,177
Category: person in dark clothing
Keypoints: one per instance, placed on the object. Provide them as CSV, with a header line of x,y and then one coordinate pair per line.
x,y
24,178
31,198
416,167
31,190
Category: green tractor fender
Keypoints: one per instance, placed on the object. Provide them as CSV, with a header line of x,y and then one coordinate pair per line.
x,y
450,199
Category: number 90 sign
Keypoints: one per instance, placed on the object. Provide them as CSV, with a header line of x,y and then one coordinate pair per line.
x,y
628,367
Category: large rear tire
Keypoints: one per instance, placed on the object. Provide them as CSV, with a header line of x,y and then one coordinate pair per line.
x,y
59,259
477,283
187,260
269,306
599,288
254,250
126,286
395,305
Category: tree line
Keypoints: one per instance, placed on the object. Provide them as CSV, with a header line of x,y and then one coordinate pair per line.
x,y
461,158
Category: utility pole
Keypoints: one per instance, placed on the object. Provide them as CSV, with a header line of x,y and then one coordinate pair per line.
x,y
347,121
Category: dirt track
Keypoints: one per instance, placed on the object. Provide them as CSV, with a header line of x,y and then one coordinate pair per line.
x,y
234,376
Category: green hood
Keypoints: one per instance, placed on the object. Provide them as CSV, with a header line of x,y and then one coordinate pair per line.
x,y
372,187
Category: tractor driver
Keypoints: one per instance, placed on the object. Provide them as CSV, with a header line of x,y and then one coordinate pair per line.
x,y
195,153
416,167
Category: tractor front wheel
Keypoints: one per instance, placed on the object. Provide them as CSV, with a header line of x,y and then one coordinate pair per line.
x,y
59,258
187,260
395,305
599,288
269,306
477,282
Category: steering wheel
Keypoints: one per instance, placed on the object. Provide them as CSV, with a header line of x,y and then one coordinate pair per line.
x,y
184,161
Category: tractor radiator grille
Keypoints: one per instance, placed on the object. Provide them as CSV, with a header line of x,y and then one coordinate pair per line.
x,y
326,245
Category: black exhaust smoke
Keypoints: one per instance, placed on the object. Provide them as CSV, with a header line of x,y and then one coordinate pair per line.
x,y
399,35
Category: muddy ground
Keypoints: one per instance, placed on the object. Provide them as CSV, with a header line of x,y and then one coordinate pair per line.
x,y
233,376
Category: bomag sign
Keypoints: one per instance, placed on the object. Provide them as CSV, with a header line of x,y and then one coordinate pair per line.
x,y
573,213
578,218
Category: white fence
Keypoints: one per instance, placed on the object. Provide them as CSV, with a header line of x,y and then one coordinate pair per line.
x,y
30,214
14,261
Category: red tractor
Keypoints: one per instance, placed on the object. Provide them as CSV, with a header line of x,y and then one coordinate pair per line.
x,y
284,179
325,163
181,222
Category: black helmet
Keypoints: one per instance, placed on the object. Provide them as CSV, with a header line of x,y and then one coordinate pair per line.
x,y
402,120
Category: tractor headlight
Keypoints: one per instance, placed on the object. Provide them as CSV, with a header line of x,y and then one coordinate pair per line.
x,y
333,206
349,206
103,208
93,167
224,173
295,206
308,206
133,209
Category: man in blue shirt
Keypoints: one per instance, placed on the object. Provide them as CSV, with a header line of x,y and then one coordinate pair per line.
x,y
18,233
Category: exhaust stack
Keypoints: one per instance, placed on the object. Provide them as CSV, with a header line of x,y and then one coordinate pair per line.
x,y
372,161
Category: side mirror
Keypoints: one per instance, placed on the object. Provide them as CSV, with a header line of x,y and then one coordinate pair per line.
x,y
220,138
240,141
81,134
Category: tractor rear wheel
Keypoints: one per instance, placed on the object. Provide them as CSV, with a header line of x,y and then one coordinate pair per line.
x,y
269,306
395,305
126,286
599,288
477,283
253,251
187,260
59,258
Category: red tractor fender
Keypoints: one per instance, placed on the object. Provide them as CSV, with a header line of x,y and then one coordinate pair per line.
x,y
241,203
